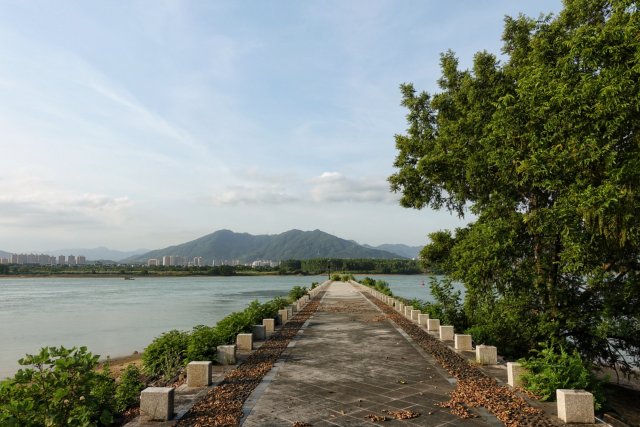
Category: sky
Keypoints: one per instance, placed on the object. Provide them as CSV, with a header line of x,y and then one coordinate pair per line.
x,y
143,124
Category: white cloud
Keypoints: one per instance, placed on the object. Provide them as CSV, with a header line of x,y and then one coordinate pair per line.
x,y
34,202
252,196
336,187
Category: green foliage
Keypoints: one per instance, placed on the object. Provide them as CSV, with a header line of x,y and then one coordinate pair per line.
x,y
379,285
203,342
543,148
552,368
166,354
298,292
128,389
448,305
347,277
61,388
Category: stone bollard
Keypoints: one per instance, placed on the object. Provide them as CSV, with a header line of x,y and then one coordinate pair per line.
x,y
414,315
486,355
407,311
463,342
259,332
244,342
423,319
401,308
269,326
226,354
446,333
575,406
199,374
514,374
156,403
284,316
433,325
289,312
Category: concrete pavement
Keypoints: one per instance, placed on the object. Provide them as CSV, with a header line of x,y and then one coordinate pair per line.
x,y
349,365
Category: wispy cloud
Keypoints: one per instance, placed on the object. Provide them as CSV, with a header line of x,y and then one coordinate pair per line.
x,y
252,196
336,187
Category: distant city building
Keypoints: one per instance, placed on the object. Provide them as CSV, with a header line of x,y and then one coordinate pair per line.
x,y
14,258
153,262
81,260
62,260
166,260
4,260
71,260
198,261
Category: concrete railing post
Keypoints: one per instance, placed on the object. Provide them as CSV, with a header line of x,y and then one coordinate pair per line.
x,y
284,316
199,374
423,319
575,406
156,403
486,355
446,333
269,326
414,315
226,354
259,332
463,342
433,325
514,374
407,311
244,342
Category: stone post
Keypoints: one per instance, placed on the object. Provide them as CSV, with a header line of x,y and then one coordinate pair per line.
x,y
423,319
199,374
463,342
226,354
269,326
156,403
486,355
514,374
433,325
446,333
414,315
284,316
259,332
407,311
575,406
244,342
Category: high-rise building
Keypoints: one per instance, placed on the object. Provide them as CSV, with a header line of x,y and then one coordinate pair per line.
x,y
71,260
153,262
81,260
166,260
14,258
62,260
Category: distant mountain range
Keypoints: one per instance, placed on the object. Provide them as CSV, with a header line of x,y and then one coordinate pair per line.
x,y
4,254
399,249
292,244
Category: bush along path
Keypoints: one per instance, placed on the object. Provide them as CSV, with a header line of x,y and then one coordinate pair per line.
x,y
473,388
222,406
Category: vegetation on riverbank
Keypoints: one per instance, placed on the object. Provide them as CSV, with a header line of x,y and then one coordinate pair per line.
x,y
64,387
287,267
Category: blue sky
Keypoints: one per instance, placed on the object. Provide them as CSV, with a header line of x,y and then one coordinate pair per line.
x,y
150,123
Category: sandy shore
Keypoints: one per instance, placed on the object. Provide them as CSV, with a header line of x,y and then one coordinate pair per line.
x,y
118,364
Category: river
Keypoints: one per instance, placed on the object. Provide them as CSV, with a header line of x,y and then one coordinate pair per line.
x,y
116,317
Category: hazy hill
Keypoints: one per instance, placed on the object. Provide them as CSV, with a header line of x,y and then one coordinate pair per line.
x,y
400,249
292,244
100,253
4,254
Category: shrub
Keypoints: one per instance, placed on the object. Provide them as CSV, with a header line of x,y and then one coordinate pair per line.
x,y
552,368
128,389
166,354
61,389
297,292
336,277
203,342
448,306
230,326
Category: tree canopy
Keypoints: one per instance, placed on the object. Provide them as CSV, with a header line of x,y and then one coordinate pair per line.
x,y
542,145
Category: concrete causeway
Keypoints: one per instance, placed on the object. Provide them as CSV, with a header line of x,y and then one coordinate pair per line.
x,y
348,365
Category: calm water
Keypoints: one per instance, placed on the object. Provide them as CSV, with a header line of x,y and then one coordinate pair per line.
x,y
117,317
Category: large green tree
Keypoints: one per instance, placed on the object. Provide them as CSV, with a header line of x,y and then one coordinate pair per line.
x,y
543,147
